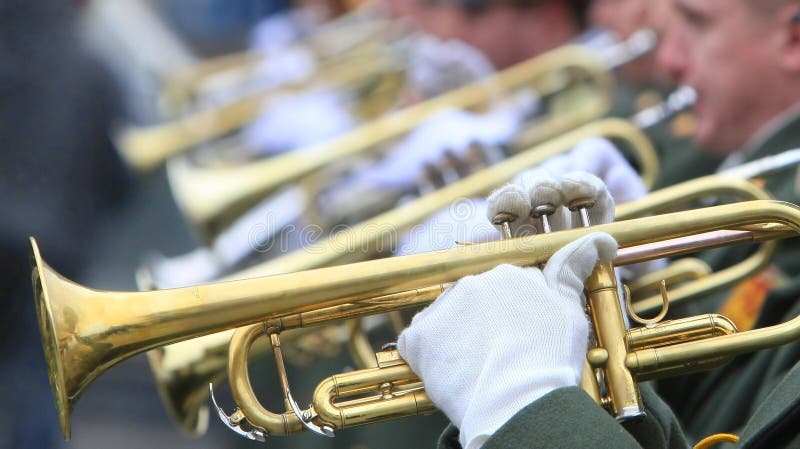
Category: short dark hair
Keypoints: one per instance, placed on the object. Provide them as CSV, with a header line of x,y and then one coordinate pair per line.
x,y
577,7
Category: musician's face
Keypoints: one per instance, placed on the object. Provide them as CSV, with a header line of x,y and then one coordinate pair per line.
x,y
727,52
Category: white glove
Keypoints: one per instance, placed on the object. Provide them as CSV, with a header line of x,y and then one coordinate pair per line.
x,y
463,222
275,31
467,346
436,66
446,131
602,159
279,62
540,187
295,121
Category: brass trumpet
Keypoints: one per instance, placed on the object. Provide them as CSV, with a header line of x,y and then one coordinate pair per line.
x,y
147,148
186,393
86,331
210,198
184,396
333,40
379,231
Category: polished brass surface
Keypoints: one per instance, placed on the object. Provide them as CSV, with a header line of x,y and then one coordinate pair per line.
x,y
368,234
86,331
183,371
183,386
684,330
609,331
211,198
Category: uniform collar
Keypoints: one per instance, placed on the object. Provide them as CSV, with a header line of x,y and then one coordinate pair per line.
x,y
779,134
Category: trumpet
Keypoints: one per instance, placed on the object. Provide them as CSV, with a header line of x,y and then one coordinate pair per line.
x,y
331,41
378,232
184,393
86,331
210,198
146,148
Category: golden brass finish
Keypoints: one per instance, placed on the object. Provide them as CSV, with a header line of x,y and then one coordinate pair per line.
x,y
368,234
86,331
191,381
183,380
682,330
211,198
331,42
648,321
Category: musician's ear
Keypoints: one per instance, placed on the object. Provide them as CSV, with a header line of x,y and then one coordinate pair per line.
x,y
789,20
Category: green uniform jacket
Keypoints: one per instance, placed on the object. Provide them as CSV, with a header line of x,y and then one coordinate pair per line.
x,y
569,419
782,186
722,400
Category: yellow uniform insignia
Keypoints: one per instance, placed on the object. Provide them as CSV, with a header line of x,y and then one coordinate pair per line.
x,y
743,306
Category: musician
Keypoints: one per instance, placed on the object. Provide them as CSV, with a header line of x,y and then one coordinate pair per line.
x,y
505,372
718,47
642,83
743,57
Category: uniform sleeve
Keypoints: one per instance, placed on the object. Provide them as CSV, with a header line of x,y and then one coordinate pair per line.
x,y
569,418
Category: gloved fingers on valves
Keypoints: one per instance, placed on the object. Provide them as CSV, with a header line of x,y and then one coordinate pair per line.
x,y
509,204
579,186
569,267
544,190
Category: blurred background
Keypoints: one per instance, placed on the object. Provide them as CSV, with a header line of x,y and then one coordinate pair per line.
x,y
71,74
113,112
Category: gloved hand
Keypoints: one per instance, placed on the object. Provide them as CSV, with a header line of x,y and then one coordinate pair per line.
x,y
540,187
596,156
436,66
426,145
602,159
496,342
295,121
462,222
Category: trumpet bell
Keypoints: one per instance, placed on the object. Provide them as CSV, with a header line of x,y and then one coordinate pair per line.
x,y
42,275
